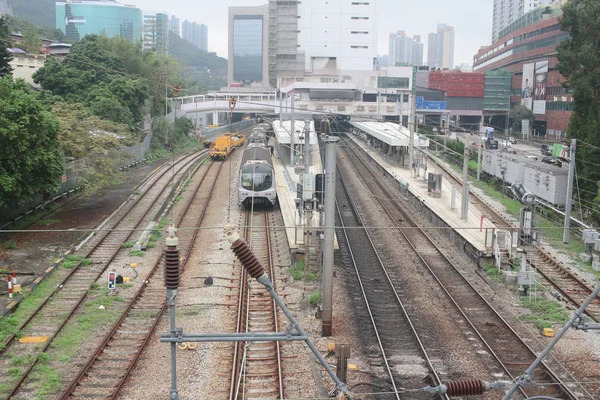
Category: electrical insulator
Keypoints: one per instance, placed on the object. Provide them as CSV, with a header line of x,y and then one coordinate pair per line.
x,y
172,261
112,280
466,388
244,253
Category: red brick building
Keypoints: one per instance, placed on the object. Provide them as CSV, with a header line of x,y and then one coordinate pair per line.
x,y
527,48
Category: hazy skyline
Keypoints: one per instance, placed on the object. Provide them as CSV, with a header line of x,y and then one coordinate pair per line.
x,y
471,19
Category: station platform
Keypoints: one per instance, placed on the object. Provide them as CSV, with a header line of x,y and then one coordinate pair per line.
x,y
286,178
479,234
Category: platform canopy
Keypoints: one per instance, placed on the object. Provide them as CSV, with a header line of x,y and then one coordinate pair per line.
x,y
282,132
390,133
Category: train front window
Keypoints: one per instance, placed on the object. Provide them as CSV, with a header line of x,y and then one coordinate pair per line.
x,y
257,177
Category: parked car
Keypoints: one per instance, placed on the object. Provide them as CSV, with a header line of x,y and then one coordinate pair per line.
x,y
512,140
534,158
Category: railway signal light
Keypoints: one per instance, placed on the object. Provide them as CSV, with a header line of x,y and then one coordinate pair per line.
x,y
112,280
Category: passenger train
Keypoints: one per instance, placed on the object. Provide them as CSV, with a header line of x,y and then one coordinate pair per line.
x,y
257,176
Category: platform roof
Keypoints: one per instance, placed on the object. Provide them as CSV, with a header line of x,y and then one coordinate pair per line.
x,y
390,133
282,132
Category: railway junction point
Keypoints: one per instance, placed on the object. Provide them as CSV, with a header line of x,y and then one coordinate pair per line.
x,y
386,138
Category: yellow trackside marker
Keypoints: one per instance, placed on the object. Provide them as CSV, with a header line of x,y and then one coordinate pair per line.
x,y
352,367
33,339
549,332
331,346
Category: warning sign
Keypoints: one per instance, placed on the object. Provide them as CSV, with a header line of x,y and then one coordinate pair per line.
x,y
63,178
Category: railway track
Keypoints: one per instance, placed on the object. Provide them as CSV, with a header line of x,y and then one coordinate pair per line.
x,y
257,367
107,369
59,308
399,344
562,278
501,341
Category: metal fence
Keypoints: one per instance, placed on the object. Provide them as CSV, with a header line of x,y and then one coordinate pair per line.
x,y
212,133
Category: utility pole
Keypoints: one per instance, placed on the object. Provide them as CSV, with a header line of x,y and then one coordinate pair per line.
x,y
166,111
507,131
411,138
330,162
479,151
412,120
307,146
292,133
464,215
280,108
566,232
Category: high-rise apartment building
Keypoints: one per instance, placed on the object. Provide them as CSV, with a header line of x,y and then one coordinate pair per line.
x,y
338,34
405,50
248,46
78,18
196,34
284,57
155,31
440,48
174,24
5,8
508,11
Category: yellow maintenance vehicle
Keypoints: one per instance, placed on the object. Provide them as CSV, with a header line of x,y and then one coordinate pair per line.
x,y
224,145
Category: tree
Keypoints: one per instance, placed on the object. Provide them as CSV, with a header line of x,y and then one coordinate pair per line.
x,y
31,40
31,160
5,55
579,58
518,114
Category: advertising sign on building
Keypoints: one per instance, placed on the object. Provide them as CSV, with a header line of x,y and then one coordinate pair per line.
x,y
539,94
527,86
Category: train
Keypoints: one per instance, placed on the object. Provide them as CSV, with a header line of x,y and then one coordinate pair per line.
x,y
258,136
257,177
224,145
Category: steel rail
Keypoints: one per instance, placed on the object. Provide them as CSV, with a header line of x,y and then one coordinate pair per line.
x,y
546,264
138,297
15,388
407,216
244,311
436,379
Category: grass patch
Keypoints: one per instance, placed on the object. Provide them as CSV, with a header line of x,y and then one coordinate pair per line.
x,y
492,272
137,253
9,326
544,313
21,361
137,192
95,286
68,342
69,264
177,199
73,257
299,272
163,222
87,261
49,378
128,245
32,300
10,244
314,298
151,245
15,371
44,358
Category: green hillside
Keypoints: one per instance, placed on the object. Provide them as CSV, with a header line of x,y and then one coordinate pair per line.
x,y
207,69
38,12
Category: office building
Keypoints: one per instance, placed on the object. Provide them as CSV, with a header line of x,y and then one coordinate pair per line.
x,y
174,24
284,57
508,11
248,46
440,48
526,49
196,34
404,50
78,18
338,34
155,31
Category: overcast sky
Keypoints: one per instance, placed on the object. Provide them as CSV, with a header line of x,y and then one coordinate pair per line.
x,y
471,19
